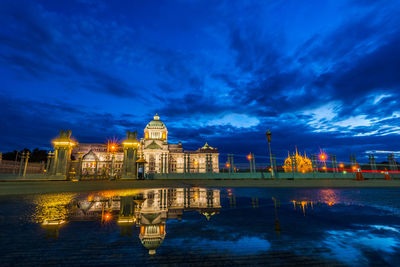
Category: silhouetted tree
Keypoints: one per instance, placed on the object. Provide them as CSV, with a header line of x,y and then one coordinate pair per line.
x,y
36,155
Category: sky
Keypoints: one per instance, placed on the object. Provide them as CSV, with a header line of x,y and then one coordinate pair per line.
x,y
320,75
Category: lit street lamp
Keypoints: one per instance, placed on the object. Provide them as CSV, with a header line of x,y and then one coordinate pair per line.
x,y
268,134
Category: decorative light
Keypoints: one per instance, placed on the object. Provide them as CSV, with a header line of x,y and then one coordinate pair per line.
x,y
341,165
112,144
322,156
249,156
65,143
107,217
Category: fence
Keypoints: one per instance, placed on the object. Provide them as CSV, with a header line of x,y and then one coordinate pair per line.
x,y
14,167
231,163
231,167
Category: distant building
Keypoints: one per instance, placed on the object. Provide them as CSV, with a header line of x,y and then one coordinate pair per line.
x,y
161,157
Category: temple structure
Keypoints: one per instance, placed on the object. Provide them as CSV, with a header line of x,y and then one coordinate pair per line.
x,y
160,156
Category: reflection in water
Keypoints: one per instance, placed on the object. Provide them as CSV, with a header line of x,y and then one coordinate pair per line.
x,y
277,204
352,226
148,209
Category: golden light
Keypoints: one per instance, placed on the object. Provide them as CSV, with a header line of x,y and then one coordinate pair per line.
x,y
53,222
195,163
227,165
324,168
127,220
354,168
64,143
249,156
107,217
112,144
322,156
52,209
131,143
341,165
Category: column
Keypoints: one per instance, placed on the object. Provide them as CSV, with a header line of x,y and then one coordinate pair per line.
x,y
63,145
254,163
211,163
22,159
130,146
26,162
184,163
162,163
188,163
372,162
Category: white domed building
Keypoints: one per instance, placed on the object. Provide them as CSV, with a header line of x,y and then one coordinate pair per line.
x,y
162,157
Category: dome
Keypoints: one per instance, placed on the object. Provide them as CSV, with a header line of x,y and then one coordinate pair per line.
x,y
156,123
152,243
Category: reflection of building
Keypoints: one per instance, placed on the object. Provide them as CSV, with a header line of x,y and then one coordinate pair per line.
x,y
149,209
161,156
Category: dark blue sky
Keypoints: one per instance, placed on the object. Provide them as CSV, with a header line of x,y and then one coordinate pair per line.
x,y
318,74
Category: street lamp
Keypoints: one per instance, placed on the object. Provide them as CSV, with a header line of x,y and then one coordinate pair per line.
x,y
268,134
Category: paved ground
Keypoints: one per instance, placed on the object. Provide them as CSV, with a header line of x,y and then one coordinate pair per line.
x,y
34,187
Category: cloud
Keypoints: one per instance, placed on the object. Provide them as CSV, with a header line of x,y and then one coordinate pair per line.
x,y
222,73
235,120
45,45
34,123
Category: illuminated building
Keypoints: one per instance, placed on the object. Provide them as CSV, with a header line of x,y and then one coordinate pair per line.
x,y
302,163
161,156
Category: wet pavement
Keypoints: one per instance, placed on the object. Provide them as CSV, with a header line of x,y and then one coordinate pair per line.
x,y
203,226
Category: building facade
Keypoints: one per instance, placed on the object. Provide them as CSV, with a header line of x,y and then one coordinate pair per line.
x,y
160,156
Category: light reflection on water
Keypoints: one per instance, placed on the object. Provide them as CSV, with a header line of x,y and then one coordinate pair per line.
x,y
195,225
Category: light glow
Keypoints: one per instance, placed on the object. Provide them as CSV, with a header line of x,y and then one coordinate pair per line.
x,y
249,156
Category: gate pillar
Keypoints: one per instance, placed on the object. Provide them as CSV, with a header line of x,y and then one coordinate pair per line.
x,y
63,145
130,146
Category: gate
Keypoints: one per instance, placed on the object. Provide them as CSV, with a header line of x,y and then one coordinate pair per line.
x,y
96,170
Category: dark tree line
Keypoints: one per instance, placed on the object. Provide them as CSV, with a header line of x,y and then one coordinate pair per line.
x,y
36,155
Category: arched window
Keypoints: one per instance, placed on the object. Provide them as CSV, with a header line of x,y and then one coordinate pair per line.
x,y
152,164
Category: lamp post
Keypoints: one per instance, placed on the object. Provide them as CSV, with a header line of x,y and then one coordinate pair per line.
x,y
268,134
250,158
